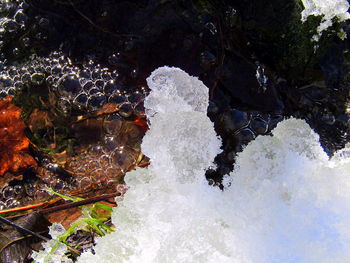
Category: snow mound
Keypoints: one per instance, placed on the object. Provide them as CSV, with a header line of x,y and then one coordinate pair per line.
x,y
328,9
284,202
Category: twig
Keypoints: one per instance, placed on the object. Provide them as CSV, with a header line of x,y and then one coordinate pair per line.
x,y
28,207
79,203
22,229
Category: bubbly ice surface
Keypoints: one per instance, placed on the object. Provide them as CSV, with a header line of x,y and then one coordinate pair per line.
x,y
284,202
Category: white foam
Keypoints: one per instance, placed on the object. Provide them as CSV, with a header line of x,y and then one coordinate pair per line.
x,y
286,201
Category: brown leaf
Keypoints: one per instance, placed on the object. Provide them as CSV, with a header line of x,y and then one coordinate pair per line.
x,y
13,142
65,217
14,245
108,108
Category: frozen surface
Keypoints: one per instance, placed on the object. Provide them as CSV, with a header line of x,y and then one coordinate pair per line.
x,y
285,201
329,9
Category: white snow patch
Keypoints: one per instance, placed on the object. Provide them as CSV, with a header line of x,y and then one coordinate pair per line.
x,y
328,9
285,201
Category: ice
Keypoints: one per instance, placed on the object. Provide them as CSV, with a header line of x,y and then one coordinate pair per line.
x,y
48,255
284,202
174,91
328,9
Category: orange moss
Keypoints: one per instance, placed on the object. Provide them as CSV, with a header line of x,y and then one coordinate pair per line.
x,y
13,142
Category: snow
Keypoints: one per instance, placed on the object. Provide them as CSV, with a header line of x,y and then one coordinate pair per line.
x,y
328,9
284,202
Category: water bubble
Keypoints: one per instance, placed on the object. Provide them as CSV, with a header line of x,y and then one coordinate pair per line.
x,y
123,159
20,17
11,91
99,83
38,78
117,99
139,109
85,73
9,203
18,189
110,143
112,124
26,77
84,182
82,98
69,85
94,90
126,110
259,126
96,74
135,97
97,100
29,189
106,76
88,85
96,150
56,69
110,87
3,94
92,165
8,192
245,135
234,120
105,159
10,26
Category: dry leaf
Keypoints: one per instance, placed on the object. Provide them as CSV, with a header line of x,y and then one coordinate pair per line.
x,y
13,142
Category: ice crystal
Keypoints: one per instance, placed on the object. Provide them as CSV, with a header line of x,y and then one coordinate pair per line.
x,y
284,202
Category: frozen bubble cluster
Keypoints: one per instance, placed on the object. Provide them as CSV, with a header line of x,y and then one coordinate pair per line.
x,y
85,87
328,9
285,201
